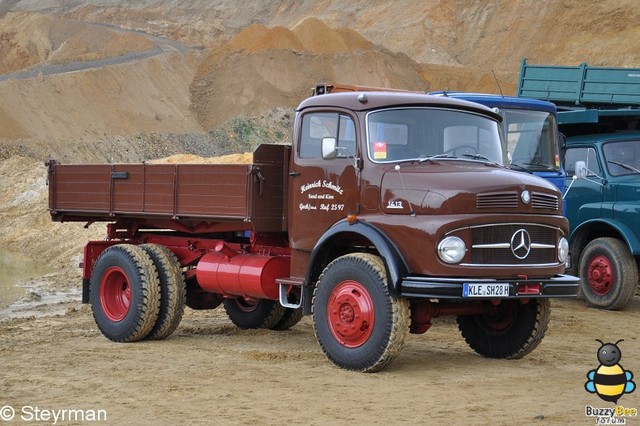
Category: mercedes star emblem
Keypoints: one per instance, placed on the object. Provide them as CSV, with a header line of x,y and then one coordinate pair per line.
x,y
520,243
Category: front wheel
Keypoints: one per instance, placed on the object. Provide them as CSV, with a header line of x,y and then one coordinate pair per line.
x,y
608,274
357,323
509,330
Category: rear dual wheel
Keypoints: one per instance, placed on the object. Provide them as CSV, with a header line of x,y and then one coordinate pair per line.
x,y
137,292
125,293
249,313
173,291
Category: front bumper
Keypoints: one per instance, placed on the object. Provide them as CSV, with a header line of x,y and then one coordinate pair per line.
x,y
452,288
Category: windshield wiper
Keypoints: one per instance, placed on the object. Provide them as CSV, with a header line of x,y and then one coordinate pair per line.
x,y
519,167
423,159
435,157
624,166
540,166
482,157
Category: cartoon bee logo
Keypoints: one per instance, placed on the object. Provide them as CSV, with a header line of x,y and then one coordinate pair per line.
x,y
609,381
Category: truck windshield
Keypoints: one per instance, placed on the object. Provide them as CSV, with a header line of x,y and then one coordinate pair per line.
x,y
532,141
402,134
622,158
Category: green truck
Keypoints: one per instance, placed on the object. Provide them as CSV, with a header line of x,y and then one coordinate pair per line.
x,y
599,115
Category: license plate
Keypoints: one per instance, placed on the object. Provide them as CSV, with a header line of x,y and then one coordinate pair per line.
x,y
485,290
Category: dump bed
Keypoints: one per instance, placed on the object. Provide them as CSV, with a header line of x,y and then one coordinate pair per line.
x,y
247,195
581,85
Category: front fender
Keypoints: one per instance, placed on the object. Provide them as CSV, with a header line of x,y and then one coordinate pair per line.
x,y
626,233
394,262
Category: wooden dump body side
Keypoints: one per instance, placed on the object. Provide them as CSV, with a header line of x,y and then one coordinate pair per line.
x,y
181,193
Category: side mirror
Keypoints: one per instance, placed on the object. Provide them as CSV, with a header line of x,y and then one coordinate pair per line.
x,y
581,170
563,147
329,149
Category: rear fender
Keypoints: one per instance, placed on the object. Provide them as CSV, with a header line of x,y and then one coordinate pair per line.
x,y
332,245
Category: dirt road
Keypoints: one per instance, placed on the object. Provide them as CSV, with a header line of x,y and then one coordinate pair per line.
x,y
55,359
160,45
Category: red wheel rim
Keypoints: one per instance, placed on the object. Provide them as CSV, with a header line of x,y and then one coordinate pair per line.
x,y
246,304
350,313
115,294
600,275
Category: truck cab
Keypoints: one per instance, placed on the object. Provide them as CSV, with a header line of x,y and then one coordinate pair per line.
x,y
599,115
603,208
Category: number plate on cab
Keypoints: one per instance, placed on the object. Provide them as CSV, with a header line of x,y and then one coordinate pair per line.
x,y
485,290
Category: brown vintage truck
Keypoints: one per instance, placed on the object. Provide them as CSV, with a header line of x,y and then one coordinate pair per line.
x,y
388,210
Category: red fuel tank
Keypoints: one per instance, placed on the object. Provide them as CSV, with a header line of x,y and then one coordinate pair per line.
x,y
251,275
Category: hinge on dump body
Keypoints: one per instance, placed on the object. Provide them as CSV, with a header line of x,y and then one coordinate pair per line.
x,y
257,173
290,292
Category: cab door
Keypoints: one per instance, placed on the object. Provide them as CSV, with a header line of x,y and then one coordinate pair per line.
x,y
321,192
584,196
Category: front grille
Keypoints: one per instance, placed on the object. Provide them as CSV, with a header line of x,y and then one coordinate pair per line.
x,y
511,200
492,245
497,200
544,201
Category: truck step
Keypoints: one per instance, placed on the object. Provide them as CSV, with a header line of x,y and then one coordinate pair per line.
x,y
290,299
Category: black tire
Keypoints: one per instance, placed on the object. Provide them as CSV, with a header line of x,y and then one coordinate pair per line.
x,y
173,291
124,293
358,324
253,313
608,274
290,318
198,299
511,331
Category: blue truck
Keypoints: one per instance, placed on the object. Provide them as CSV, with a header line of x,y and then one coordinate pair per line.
x,y
599,117
530,132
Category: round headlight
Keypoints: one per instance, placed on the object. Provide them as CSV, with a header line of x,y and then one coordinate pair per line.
x,y
451,249
563,250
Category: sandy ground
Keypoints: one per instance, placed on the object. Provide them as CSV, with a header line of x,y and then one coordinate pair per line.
x,y
54,358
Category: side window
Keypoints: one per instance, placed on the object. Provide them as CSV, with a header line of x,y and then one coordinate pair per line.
x,y
588,155
347,137
318,125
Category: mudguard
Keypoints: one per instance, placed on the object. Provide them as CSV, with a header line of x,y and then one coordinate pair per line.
x,y
395,263
627,234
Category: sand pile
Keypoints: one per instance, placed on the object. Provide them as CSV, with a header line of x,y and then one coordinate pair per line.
x,y
262,67
311,35
245,158
143,96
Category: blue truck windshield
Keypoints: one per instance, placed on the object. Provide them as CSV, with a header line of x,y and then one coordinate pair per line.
x,y
532,140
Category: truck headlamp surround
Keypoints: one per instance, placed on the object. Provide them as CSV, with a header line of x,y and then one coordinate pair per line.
x,y
451,249
563,249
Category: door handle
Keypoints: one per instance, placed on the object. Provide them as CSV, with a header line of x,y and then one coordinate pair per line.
x,y
294,174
